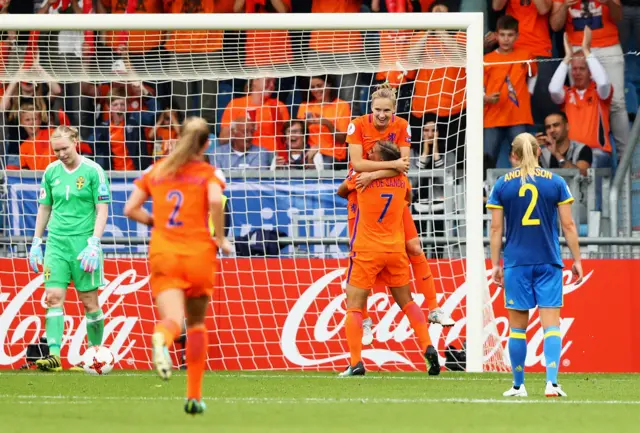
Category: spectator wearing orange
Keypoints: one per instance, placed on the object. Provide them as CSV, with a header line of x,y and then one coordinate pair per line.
x,y
602,18
143,48
295,136
439,93
335,48
162,137
587,102
193,54
117,141
261,108
327,118
534,36
266,47
241,152
35,151
507,101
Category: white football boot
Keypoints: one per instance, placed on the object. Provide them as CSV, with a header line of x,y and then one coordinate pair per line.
x,y
521,392
554,390
440,317
160,356
367,331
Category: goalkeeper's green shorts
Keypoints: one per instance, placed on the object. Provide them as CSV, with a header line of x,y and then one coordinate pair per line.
x,y
61,264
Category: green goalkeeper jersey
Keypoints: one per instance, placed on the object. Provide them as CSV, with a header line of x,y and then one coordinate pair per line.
x,y
73,196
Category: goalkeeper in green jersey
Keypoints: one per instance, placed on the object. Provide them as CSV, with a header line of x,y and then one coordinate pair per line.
x,y
73,198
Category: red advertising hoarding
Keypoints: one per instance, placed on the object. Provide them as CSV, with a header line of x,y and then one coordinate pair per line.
x,y
289,314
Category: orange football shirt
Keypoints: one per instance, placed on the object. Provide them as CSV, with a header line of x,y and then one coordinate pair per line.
x,y
604,31
186,41
380,215
587,111
362,131
327,41
533,29
137,41
338,112
181,209
510,80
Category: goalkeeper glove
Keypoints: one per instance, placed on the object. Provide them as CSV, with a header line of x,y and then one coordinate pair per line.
x,y
90,256
35,254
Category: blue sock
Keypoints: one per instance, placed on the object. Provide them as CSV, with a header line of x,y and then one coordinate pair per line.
x,y
552,349
518,354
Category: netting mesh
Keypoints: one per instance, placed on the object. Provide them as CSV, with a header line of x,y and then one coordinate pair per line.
x,y
279,105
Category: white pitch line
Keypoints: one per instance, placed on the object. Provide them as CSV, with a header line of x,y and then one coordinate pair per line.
x,y
372,376
47,399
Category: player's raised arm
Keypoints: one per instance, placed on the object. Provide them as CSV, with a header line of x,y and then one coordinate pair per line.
x,y
363,165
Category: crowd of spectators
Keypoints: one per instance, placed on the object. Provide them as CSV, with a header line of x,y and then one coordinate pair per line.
x,y
301,122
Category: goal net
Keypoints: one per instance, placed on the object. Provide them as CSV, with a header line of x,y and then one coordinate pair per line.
x,y
279,96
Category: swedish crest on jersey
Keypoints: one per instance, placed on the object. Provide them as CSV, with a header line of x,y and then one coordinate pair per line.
x,y
80,181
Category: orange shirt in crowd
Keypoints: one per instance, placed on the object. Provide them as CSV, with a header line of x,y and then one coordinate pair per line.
x,y
137,40
187,41
269,118
591,114
118,145
224,6
440,90
380,212
338,41
510,80
533,28
266,47
184,231
604,29
339,113
362,131
37,154
164,134
394,46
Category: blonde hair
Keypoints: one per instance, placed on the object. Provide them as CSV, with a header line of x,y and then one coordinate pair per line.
x,y
67,132
525,149
194,135
386,91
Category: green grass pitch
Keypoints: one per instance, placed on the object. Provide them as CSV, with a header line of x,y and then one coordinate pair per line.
x,y
265,402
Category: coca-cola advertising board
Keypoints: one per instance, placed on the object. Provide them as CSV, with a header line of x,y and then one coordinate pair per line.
x,y
289,314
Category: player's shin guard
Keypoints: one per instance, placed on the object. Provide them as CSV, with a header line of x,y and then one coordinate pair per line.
x,y
196,360
424,280
418,324
55,329
517,354
552,350
170,329
95,327
353,327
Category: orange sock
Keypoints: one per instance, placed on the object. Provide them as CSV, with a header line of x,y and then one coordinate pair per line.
x,y
170,330
418,324
353,327
196,360
424,280
365,313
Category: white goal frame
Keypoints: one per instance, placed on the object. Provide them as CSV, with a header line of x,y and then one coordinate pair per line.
x,y
471,22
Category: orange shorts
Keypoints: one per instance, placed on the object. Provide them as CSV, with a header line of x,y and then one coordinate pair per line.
x,y
390,269
193,274
410,231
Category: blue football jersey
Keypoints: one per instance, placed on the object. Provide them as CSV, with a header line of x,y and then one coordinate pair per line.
x,y
531,216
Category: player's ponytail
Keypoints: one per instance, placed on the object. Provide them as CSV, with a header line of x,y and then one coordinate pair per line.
x,y
194,135
386,91
525,150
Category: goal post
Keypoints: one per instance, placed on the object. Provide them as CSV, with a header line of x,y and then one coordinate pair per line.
x,y
468,56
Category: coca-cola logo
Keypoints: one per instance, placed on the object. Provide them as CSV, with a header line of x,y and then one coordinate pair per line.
x,y
495,332
16,327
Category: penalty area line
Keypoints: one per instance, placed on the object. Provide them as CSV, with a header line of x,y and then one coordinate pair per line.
x,y
50,399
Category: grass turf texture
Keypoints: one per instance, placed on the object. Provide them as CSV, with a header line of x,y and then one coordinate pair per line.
x,y
267,402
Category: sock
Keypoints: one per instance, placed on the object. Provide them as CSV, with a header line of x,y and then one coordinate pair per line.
x,y
418,324
54,328
170,329
552,350
353,327
196,360
424,280
95,327
365,313
517,354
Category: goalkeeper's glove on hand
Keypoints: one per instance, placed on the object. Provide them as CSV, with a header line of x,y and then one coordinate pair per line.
x,y
35,254
90,256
